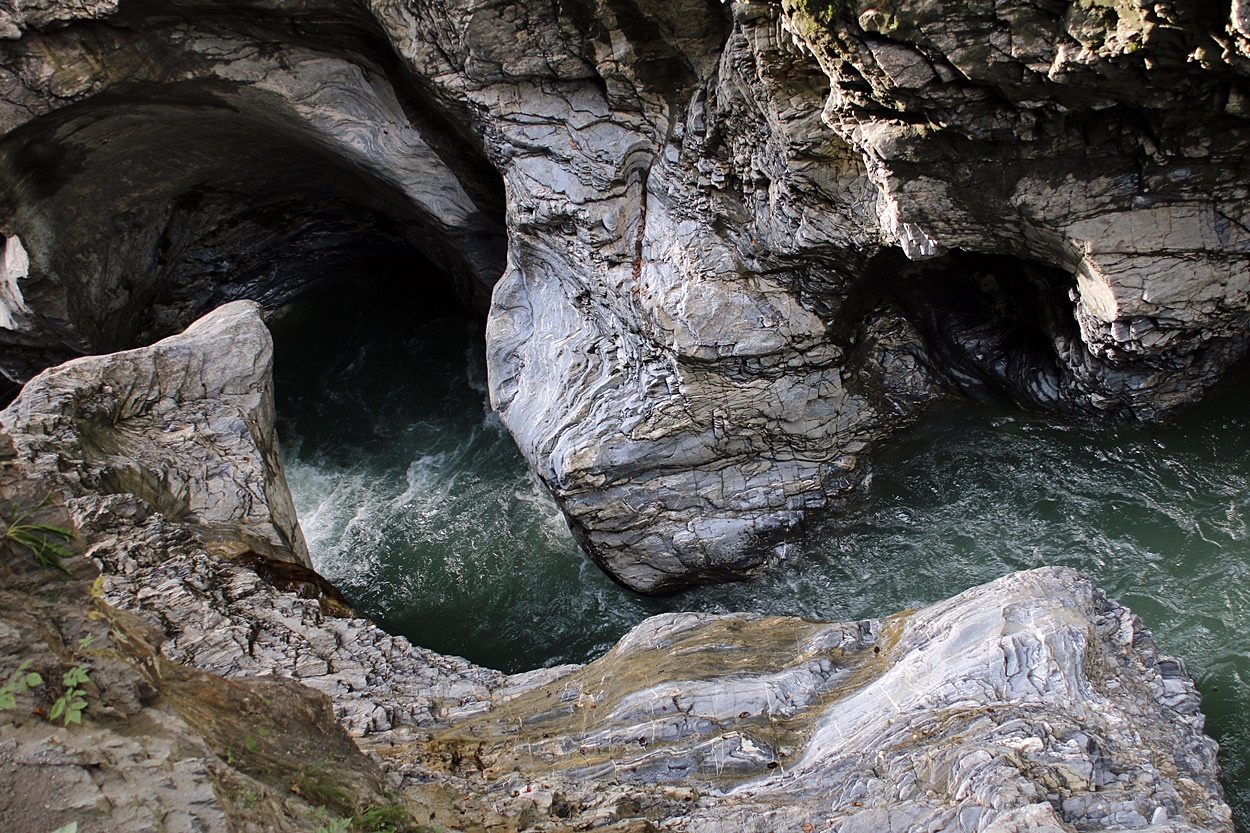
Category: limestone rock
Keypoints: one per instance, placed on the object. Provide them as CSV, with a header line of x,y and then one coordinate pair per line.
x,y
187,424
38,14
684,343
223,617
180,157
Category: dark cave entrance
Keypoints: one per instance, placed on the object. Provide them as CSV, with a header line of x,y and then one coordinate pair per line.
x,y
992,327
144,208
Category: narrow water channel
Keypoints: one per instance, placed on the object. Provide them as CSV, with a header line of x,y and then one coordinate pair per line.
x,y
417,505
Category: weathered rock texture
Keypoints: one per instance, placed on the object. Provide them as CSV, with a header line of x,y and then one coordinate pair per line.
x,y
160,745
1032,703
745,241
186,424
185,154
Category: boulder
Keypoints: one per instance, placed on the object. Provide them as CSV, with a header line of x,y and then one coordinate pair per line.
x,y
187,424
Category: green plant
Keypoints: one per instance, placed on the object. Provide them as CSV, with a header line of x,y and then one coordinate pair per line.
x,y
72,827
19,682
335,826
69,706
317,785
383,819
44,541
254,737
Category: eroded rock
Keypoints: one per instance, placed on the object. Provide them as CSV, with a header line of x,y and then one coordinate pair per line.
x,y
685,344
1033,702
154,744
746,241
187,424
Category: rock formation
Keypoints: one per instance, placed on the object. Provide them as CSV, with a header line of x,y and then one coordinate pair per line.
x,y
186,424
745,241
1031,703
158,745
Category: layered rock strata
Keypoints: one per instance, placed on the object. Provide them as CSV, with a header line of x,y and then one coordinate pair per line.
x,y
156,744
745,241
176,156
1031,703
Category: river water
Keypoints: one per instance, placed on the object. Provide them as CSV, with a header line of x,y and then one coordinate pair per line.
x,y
418,506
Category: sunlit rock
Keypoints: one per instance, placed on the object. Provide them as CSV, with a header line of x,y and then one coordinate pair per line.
x,y
186,424
745,242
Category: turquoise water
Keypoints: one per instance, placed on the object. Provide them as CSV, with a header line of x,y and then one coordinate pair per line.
x,y
418,506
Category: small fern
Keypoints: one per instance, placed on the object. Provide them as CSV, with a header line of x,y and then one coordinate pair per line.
x,y
47,542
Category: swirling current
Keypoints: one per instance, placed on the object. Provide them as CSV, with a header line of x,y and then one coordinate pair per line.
x,y
418,506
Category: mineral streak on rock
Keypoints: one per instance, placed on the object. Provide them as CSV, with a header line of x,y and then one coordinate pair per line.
x,y
746,241
1031,703
704,321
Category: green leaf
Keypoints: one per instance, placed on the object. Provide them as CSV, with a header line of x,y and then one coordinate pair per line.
x,y
7,700
86,641
73,714
44,541
33,679
58,708
72,827
74,677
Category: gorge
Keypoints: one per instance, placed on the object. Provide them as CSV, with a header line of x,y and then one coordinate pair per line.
x,y
725,252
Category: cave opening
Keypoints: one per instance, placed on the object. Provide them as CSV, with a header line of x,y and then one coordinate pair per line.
x,y
991,327
140,209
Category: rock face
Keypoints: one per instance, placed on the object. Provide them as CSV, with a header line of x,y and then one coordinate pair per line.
x,y
186,424
159,745
1032,703
188,154
837,212
745,241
